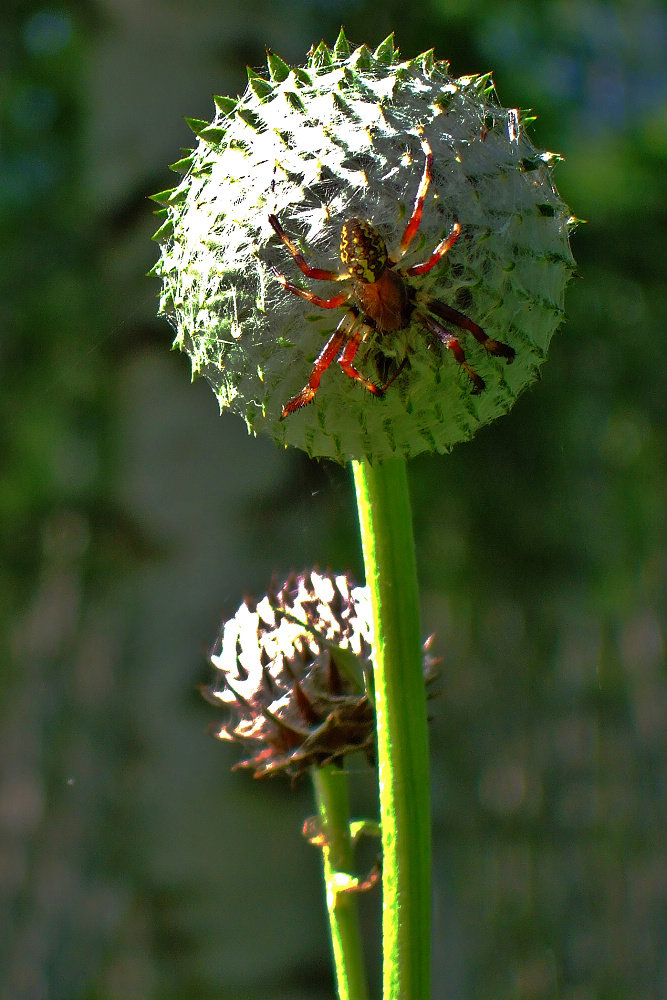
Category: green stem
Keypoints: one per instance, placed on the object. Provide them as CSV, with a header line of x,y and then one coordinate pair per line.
x,y
391,574
337,851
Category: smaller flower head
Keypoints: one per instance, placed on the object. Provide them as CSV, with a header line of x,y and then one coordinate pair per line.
x,y
292,669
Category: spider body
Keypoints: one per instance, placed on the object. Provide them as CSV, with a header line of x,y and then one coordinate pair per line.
x,y
379,293
380,298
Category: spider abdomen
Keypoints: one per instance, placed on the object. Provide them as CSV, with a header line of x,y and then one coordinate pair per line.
x,y
362,250
385,302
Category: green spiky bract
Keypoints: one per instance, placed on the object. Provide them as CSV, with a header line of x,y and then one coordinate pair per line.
x,y
338,138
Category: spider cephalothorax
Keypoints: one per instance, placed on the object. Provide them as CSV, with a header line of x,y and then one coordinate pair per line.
x,y
381,299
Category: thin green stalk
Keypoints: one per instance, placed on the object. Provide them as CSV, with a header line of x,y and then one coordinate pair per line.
x,y
388,546
337,851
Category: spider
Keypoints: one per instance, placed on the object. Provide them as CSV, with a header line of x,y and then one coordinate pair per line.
x,y
380,298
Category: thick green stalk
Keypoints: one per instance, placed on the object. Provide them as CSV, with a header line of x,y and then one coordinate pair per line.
x,y
337,852
391,574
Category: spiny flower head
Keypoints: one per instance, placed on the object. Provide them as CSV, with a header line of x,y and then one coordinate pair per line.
x,y
292,671
346,137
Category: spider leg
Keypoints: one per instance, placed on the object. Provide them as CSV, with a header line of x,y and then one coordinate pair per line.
x,y
317,300
300,260
344,342
355,338
416,217
393,378
495,347
332,347
450,341
442,248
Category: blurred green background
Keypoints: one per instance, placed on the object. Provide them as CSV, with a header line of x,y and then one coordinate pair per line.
x,y
133,864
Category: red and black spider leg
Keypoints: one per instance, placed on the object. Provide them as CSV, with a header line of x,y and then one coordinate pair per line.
x,y
393,378
333,346
416,217
300,260
344,342
450,315
358,332
450,341
442,248
317,300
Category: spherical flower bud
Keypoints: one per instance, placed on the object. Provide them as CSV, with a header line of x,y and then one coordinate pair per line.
x,y
292,671
336,347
